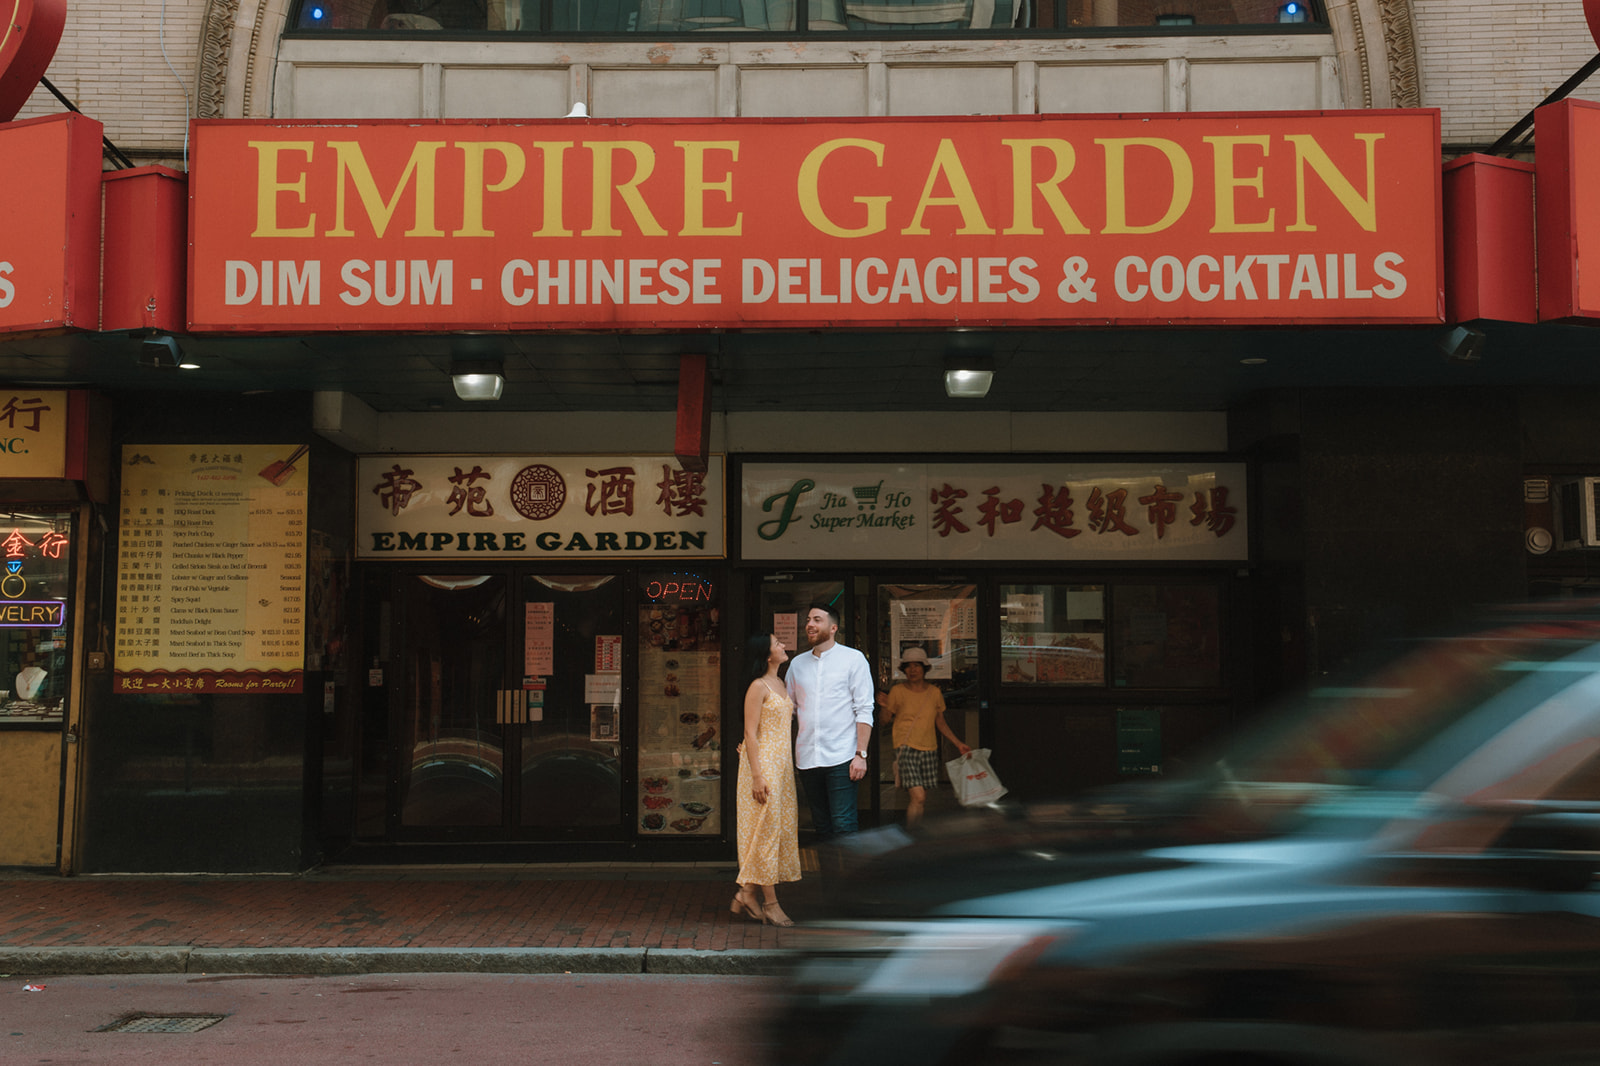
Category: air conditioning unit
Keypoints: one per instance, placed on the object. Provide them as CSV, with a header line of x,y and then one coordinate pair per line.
x,y
1577,522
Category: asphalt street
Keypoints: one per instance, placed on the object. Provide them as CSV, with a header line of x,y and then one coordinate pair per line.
x,y
393,1019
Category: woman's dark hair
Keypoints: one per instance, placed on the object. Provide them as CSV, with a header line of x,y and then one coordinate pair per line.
x,y
757,650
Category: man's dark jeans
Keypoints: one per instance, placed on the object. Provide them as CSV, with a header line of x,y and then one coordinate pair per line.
x,y
832,796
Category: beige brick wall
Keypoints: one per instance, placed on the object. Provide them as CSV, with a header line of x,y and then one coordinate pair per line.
x,y
1486,63
110,65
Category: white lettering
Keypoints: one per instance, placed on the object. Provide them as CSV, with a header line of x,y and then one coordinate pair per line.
x,y
677,286
353,275
760,281
511,288
241,282
1396,282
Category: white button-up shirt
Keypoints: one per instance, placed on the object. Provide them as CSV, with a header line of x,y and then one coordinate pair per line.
x,y
831,692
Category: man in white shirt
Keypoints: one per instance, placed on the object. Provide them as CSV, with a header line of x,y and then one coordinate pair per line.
x,y
833,694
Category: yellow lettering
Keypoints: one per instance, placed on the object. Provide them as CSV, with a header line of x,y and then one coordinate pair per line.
x,y
1117,182
353,162
811,201
1022,185
1364,209
1227,180
554,184
947,161
644,164
695,187
473,186
268,187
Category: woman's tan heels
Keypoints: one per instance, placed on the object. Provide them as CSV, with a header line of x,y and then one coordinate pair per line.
x,y
772,914
744,907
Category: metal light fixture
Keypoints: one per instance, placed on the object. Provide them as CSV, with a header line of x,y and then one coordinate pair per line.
x,y
1296,11
478,379
968,377
1463,344
162,352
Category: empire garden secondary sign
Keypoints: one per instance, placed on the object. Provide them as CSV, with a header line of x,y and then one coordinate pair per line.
x,y
1184,219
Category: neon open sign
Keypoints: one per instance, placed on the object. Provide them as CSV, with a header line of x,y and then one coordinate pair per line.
x,y
695,590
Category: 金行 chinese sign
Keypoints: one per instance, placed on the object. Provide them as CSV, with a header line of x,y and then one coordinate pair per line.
x,y
33,433
211,569
977,512
1252,218
557,507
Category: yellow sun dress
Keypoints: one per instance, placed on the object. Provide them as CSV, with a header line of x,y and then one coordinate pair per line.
x,y
769,833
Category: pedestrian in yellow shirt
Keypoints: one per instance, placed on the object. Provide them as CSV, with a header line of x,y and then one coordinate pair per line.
x,y
917,709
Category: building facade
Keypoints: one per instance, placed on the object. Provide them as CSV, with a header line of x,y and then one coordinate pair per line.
x,y
449,667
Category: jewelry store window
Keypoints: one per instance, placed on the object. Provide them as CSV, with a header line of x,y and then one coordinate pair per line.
x,y
870,17
34,588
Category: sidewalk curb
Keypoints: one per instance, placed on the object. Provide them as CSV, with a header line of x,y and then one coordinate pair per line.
x,y
343,961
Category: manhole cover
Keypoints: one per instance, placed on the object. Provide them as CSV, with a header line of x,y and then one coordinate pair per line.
x,y
161,1023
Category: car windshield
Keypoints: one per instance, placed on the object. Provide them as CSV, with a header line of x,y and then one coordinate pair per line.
x,y
1405,724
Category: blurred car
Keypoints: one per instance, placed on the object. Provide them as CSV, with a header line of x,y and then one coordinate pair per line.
x,y
1401,871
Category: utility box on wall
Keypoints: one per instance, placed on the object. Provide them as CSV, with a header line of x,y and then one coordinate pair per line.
x,y
1577,523
146,257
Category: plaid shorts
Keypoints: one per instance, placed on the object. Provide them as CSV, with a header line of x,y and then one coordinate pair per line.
x,y
917,768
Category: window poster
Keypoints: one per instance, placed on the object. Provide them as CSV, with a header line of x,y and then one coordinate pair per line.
x,y
211,569
681,729
1054,659
538,639
786,627
603,723
933,626
1025,609
602,688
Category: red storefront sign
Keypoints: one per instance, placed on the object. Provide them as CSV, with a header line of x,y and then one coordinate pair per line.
x,y
50,224
1171,219
1489,247
30,30
1567,168
146,237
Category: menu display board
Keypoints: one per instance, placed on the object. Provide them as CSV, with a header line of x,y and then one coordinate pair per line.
x,y
211,569
681,728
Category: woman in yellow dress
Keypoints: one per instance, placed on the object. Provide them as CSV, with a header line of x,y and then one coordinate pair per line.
x,y
769,833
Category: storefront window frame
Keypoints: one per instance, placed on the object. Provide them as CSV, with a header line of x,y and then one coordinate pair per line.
x,y
1109,690
807,23
381,637
67,629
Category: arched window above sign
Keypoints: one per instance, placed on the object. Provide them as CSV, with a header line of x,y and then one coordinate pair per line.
x,y
875,17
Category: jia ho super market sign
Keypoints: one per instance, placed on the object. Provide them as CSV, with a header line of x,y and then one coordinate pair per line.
x,y
1183,219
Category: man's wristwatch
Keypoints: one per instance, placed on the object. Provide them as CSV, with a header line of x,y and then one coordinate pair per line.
x,y
861,754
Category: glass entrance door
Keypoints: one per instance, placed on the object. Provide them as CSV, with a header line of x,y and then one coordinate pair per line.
x,y
507,707
940,620
569,740
521,706
781,610
884,618
451,770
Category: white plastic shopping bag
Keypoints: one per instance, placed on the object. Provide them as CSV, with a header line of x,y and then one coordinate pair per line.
x,y
974,779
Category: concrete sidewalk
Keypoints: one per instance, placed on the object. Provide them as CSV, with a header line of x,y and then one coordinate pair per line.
x,y
583,918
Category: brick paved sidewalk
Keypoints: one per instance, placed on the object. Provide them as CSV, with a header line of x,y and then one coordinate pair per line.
x,y
364,908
